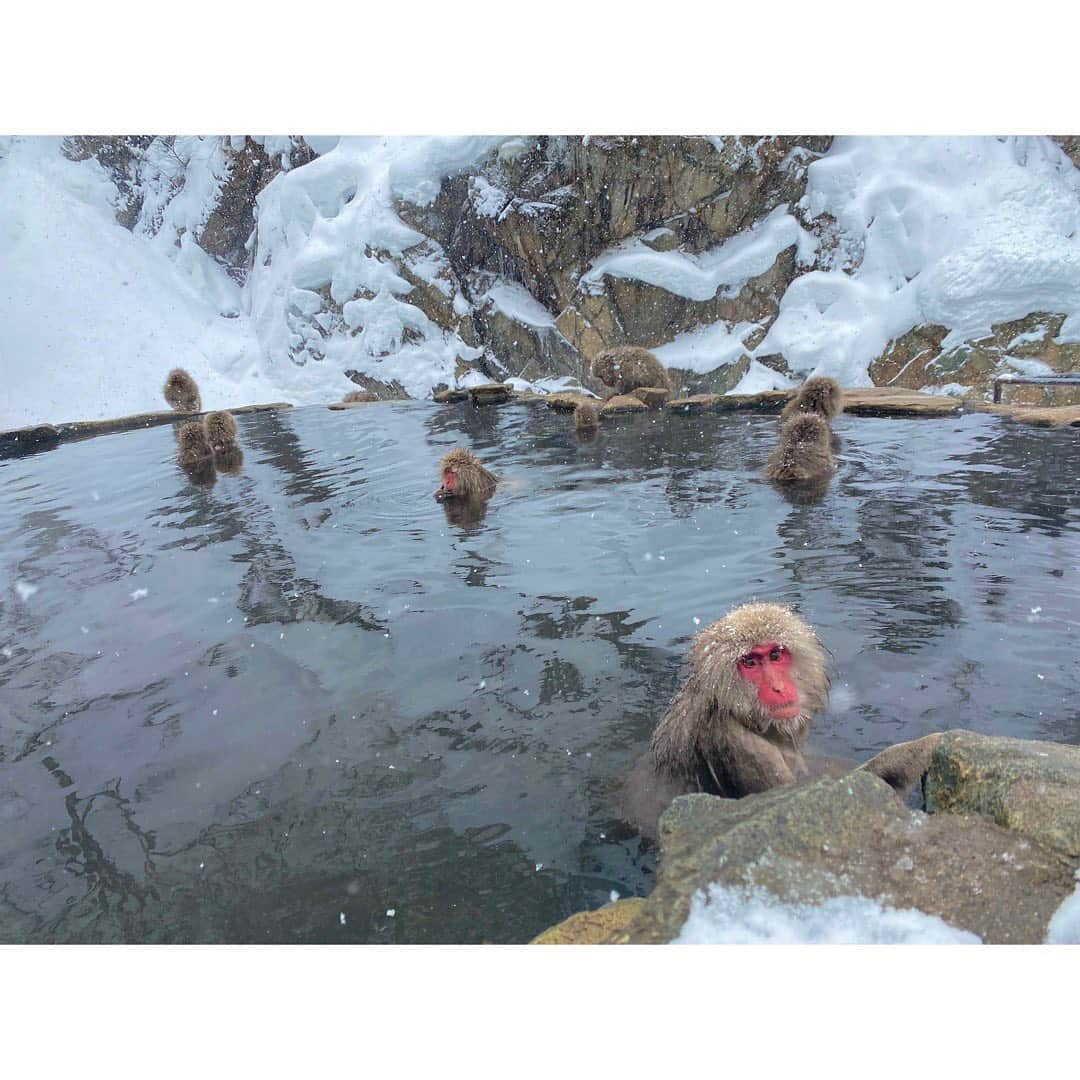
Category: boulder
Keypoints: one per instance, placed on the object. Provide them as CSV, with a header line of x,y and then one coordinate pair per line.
x,y
622,403
653,396
592,927
853,837
489,394
1031,788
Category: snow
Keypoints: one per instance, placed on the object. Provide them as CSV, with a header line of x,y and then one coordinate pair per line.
x,y
706,348
730,916
1064,928
963,232
94,316
727,267
517,303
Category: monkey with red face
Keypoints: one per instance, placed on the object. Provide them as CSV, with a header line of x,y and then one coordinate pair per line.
x,y
464,478
739,723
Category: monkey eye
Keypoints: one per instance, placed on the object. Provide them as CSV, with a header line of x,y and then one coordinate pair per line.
x,y
748,661
776,653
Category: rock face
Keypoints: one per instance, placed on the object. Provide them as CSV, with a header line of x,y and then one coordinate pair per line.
x,y
1030,788
996,856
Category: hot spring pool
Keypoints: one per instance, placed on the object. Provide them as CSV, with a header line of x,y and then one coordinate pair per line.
x,y
301,705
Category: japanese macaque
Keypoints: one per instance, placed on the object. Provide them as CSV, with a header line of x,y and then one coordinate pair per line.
x,y
182,392
220,428
229,459
464,478
193,452
820,395
740,721
586,419
627,367
359,395
804,453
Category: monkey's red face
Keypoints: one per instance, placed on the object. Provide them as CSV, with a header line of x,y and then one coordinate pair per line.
x,y
449,484
770,670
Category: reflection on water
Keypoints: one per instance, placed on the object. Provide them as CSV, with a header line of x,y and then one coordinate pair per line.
x,y
302,704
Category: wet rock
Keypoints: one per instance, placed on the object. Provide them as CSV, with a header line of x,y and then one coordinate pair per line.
x,y
391,390
653,396
622,403
489,394
592,927
918,359
766,401
449,397
853,837
568,401
886,401
1031,788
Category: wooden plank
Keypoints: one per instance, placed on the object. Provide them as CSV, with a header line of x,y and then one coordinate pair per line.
x,y
39,436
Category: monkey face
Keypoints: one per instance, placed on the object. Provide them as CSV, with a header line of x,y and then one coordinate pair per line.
x,y
449,484
769,669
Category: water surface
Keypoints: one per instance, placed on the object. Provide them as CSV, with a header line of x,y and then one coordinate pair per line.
x,y
301,705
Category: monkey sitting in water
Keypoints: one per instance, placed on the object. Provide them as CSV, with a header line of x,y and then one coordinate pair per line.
x,y
182,392
193,453
220,428
821,395
627,367
804,453
740,721
464,478
586,419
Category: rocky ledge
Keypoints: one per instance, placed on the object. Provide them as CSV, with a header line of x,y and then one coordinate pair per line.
x,y
996,855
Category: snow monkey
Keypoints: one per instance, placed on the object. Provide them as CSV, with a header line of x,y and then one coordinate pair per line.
x,y
820,395
804,452
193,453
464,478
627,367
182,392
220,428
586,417
739,723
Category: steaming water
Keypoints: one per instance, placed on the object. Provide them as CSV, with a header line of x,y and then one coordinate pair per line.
x,y
302,705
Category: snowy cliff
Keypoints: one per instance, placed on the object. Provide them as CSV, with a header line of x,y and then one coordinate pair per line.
x,y
291,269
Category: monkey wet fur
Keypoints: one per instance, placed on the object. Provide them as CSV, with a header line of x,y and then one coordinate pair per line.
x,y
739,723
220,430
181,391
804,452
463,477
820,395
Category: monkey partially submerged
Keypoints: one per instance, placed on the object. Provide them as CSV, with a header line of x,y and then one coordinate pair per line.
x,y
627,367
193,453
586,420
804,452
740,721
220,430
182,392
464,478
821,395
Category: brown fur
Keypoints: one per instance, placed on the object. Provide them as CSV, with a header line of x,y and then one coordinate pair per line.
x,y
904,764
628,367
804,452
229,459
360,395
716,736
474,482
182,392
193,446
820,395
220,428
586,417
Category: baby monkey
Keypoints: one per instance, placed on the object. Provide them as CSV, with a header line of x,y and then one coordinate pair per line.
x,y
182,392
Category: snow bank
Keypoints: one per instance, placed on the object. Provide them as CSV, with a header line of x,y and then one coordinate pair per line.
x,y
964,232
706,348
727,267
753,917
329,229
1064,927
94,316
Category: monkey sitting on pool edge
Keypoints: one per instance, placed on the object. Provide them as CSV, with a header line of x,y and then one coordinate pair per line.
x,y
739,723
